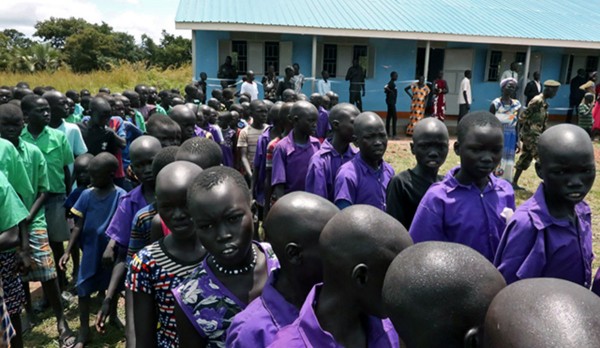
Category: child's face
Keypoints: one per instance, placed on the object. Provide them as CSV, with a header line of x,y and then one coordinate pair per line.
x,y
171,204
235,118
11,127
345,128
39,115
101,116
259,113
223,219
141,163
100,175
306,122
480,151
71,104
82,175
214,115
372,141
430,149
4,96
168,135
203,76
118,109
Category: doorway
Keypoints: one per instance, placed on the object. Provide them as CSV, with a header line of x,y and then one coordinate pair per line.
x,y
436,62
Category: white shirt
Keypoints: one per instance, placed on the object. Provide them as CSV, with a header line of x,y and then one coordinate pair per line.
x,y
538,85
465,86
250,89
323,87
509,73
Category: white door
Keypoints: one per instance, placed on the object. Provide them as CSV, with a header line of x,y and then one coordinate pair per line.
x,y
456,61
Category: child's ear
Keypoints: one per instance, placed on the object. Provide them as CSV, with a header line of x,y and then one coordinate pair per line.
x,y
293,253
538,169
472,338
457,148
360,274
354,138
335,124
412,147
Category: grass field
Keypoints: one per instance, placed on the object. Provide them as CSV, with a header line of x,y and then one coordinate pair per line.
x,y
398,154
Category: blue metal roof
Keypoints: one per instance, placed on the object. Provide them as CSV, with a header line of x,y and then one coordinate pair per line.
x,y
571,20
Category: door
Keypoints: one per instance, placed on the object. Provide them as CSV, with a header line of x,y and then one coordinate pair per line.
x,y
456,61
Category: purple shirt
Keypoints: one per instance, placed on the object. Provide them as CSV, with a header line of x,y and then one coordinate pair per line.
x,y
596,286
357,183
119,229
452,212
323,168
200,132
290,162
323,123
257,325
214,132
306,331
260,162
535,244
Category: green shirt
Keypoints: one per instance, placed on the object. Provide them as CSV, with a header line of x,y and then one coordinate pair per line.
x,y
139,121
57,151
13,169
13,210
160,110
73,118
35,165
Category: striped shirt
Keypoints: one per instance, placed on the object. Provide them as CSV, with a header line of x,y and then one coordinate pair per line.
x,y
140,230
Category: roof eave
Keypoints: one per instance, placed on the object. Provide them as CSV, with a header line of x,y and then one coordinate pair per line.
x,y
385,34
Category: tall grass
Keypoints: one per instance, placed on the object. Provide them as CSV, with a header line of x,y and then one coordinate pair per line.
x,y
122,77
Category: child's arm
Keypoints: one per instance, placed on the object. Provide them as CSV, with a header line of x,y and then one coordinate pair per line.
x,y
68,182
188,336
145,319
9,238
35,208
72,241
245,161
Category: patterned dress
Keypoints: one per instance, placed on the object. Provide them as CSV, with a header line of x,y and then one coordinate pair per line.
x,y
508,116
209,305
417,106
439,101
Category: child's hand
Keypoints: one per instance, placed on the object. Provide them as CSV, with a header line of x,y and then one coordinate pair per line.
x,y
62,263
102,315
24,262
108,257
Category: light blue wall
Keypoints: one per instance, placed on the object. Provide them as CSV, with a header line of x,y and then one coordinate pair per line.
x,y
390,55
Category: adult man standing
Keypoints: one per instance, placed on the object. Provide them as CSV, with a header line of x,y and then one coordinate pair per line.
x,y
227,73
576,93
249,87
532,124
464,95
356,76
533,88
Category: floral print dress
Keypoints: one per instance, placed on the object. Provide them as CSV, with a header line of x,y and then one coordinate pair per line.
x,y
209,305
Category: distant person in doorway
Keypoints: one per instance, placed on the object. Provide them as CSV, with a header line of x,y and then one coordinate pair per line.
x,y
270,83
419,92
533,88
249,87
440,89
298,79
391,97
324,85
464,95
577,94
356,76
227,73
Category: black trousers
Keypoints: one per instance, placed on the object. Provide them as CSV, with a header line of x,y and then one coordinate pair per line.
x,y
356,99
463,109
572,107
391,118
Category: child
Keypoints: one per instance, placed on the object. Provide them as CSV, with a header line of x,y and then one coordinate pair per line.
x,y
225,121
323,126
201,151
201,84
186,119
584,111
364,179
550,234
273,130
334,99
75,116
248,139
14,212
357,246
35,244
235,270
292,154
206,122
469,205
295,241
284,123
95,207
405,190
164,129
192,94
325,164
97,135
543,313
131,102
455,287
57,152
143,151
163,265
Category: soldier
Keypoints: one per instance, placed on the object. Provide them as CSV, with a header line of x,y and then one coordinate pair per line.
x,y
531,125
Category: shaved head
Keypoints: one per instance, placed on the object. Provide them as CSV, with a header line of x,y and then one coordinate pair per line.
x,y
342,111
366,119
144,142
176,177
564,139
428,126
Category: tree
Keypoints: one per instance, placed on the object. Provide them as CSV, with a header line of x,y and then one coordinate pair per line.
x,y
173,51
57,30
38,56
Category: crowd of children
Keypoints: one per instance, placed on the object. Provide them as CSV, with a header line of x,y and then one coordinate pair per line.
x,y
278,223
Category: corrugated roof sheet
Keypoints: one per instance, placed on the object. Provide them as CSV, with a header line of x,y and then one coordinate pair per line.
x,y
573,20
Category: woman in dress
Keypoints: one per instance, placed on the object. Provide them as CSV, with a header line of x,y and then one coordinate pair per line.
x,y
440,88
419,92
507,110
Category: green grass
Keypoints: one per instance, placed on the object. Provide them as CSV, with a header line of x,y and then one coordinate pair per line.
x,y
399,156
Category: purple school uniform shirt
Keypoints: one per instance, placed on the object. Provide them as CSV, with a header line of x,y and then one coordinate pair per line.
x,y
322,123
257,325
535,244
119,229
596,286
290,162
357,183
260,162
323,167
452,212
307,332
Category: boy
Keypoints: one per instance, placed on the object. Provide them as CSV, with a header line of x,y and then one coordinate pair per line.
x,y
334,99
35,244
248,140
225,121
283,123
467,207
357,246
272,131
201,151
405,191
77,113
97,135
325,164
131,102
543,313
186,119
323,126
58,154
164,129
201,85
293,228
144,108
364,179
550,234
455,287
292,154
324,85
584,111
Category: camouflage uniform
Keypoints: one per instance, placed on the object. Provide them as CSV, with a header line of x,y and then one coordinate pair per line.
x,y
531,125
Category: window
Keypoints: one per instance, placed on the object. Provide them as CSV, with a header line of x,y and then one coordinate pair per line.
x,y
591,64
521,57
330,59
239,56
272,56
360,52
494,66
